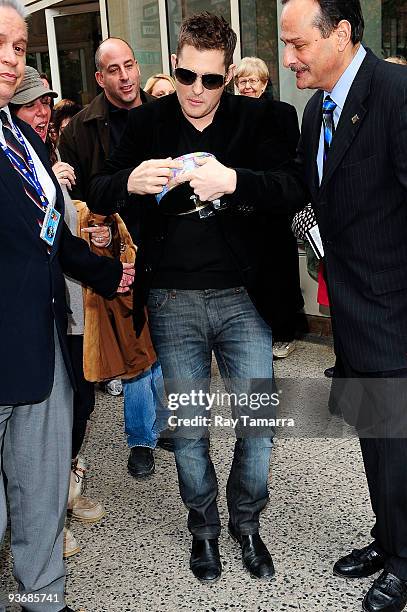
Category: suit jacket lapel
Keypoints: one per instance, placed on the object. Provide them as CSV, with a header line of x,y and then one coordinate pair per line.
x,y
229,121
22,207
351,118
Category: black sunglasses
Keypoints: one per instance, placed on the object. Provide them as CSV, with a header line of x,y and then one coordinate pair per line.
x,y
209,81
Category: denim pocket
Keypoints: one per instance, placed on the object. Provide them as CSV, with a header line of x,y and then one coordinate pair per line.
x,y
157,299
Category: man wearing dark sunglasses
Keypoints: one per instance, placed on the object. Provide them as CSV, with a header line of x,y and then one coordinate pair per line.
x,y
198,268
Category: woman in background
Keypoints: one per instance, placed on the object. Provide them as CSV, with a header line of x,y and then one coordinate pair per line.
x,y
63,112
160,85
397,59
280,269
251,77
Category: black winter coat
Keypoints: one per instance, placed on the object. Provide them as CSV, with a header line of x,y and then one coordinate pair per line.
x,y
252,138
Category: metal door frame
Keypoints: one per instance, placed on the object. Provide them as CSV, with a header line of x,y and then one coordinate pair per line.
x,y
50,15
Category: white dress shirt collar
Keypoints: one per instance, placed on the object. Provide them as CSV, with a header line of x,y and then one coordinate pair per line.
x,y
343,85
7,111
43,176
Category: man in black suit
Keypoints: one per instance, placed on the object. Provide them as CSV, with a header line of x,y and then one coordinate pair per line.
x,y
198,265
353,151
36,375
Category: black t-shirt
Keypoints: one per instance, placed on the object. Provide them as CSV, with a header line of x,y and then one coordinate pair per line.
x,y
195,254
117,123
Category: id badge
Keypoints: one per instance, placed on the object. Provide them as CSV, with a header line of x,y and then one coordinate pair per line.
x,y
50,225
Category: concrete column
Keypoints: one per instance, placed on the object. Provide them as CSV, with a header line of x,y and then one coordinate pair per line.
x,y
372,13
288,89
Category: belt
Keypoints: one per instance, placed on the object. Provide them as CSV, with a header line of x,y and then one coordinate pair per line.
x,y
196,209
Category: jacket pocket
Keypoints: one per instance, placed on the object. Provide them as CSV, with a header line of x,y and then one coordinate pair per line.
x,y
389,280
360,162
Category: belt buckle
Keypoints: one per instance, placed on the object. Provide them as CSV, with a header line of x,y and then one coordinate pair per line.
x,y
198,206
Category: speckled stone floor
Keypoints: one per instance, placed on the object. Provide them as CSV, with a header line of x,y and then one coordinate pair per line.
x,y
136,558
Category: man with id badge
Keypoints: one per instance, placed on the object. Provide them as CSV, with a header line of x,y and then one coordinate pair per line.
x,y
36,376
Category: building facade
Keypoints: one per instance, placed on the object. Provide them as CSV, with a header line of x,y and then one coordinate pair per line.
x,y
64,34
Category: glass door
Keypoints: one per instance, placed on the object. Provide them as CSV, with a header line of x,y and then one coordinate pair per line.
x,y
74,33
142,24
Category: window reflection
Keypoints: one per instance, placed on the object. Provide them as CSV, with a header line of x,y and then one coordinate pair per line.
x,y
138,23
180,9
394,27
259,36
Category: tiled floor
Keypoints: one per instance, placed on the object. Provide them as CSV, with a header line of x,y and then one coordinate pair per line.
x,y
136,559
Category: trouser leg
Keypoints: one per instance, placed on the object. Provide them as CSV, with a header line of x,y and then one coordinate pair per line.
x,y
37,459
198,486
247,492
5,414
182,340
385,460
244,352
84,396
370,457
382,428
144,407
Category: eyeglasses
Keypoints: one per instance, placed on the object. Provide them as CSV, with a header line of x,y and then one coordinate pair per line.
x,y
251,82
209,81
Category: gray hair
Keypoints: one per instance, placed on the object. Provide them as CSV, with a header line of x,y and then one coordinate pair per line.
x,y
397,59
99,50
252,65
16,5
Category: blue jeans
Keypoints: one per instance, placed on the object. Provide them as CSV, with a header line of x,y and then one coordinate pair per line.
x,y
145,407
186,326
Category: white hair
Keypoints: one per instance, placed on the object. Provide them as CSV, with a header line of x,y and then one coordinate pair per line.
x,y
17,5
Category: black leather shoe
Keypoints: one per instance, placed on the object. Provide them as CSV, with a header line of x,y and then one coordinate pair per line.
x,y
205,561
166,443
387,594
360,563
255,556
329,372
141,462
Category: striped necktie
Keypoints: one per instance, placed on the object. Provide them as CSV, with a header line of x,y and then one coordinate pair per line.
x,y
328,108
19,151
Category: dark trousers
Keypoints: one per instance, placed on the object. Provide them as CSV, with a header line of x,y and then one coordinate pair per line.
x,y
376,404
84,396
385,463
284,327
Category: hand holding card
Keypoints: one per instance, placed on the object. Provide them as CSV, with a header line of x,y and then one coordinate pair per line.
x,y
151,176
186,163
